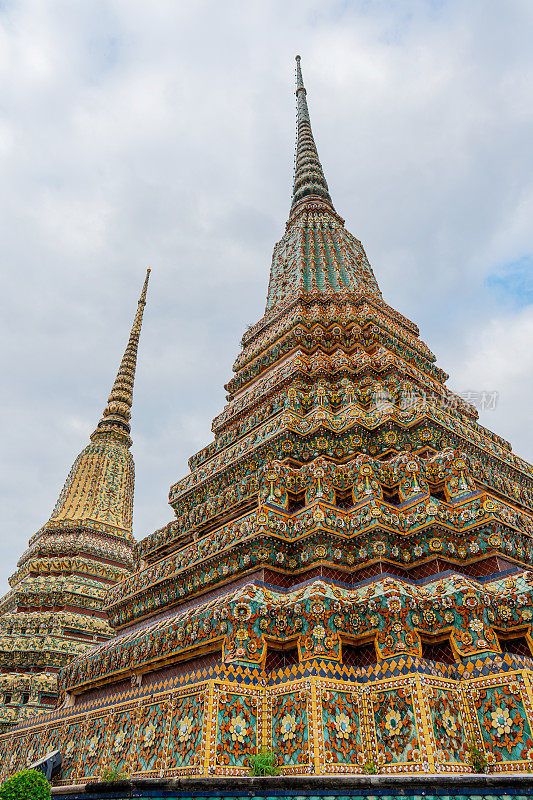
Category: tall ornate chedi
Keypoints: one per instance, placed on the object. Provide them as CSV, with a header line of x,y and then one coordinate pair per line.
x,y
55,609
346,580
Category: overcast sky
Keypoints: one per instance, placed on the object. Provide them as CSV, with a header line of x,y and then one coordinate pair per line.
x,y
161,133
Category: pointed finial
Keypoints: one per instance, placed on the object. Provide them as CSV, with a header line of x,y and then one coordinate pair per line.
x,y
117,413
299,79
309,180
142,298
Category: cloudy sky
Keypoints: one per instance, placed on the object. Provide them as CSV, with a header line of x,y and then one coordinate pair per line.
x,y
162,134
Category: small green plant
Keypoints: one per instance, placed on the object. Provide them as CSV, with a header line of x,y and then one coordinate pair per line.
x,y
30,784
113,773
476,757
369,768
264,763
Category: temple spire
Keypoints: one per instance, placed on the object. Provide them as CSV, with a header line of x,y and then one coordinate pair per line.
x,y
309,180
117,413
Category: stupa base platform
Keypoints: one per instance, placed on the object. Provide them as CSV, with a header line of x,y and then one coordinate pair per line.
x,y
377,787
404,716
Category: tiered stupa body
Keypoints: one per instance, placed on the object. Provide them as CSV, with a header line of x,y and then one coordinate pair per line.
x,y
56,607
346,578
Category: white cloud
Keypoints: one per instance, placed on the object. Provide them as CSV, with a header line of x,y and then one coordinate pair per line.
x,y
161,134
498,357
502,351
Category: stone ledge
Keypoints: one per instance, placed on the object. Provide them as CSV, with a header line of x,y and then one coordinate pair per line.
x,y
509,784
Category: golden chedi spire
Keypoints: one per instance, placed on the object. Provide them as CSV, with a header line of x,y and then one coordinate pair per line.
x,y
316,256
55,608
309,180
117,413
99,489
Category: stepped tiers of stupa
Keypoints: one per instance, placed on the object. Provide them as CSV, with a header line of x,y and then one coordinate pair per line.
x,y
56,607
346,580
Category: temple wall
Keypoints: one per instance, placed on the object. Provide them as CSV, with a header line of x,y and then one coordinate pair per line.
x,y
317,723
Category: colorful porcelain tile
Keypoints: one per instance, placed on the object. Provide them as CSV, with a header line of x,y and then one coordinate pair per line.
x,y
97,741
150,739
397,737
236,728
290,728
341,728
185,740
503,721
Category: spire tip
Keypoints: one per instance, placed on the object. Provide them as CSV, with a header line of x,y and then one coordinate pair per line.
x,y
299,79
142,298
309,180
117,413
